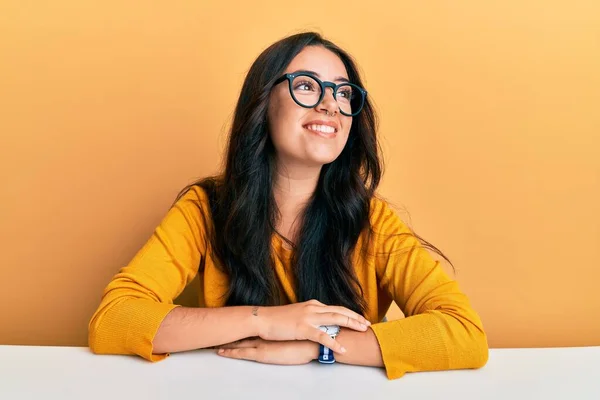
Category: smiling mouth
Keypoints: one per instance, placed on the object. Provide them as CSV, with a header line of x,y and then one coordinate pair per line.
x,y
324,129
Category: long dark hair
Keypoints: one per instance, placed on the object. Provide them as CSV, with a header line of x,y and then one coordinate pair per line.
x,y
244,211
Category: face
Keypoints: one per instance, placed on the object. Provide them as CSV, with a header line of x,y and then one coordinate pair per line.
x,y
298,134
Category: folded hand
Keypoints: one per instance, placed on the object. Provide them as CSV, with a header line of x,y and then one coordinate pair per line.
x,y
291,352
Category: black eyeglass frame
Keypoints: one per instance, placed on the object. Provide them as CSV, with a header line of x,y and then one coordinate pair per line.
x,y
323,84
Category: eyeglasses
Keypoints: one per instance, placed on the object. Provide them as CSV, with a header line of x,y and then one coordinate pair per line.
x,y
308,91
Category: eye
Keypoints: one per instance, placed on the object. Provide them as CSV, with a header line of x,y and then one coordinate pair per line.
x,y
346,93
304,85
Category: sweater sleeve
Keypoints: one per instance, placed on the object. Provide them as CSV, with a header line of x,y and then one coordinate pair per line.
x,y
441,331
141,294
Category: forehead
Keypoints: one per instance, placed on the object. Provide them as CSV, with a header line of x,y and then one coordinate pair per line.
x,y
317,58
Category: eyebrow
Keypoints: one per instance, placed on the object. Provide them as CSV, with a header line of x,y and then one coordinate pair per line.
x,y
305,71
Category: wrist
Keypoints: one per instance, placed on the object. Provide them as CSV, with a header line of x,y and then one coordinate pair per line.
x,y
313,349
256,320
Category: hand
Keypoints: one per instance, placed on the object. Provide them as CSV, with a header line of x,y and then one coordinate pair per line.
x,y
292,352
301,321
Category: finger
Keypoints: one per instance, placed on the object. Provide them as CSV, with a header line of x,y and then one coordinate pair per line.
x,y
240,344
240,354
341,320
344,311
319,336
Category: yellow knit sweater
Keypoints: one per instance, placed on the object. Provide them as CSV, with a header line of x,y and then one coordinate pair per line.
x,y
441,331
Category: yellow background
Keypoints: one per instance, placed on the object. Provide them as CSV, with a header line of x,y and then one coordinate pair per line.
x,y
490,125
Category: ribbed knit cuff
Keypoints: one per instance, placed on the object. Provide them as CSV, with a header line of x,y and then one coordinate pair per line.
x,y
411,344
147,315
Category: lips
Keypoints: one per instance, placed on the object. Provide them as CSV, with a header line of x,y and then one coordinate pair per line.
x,y
321,126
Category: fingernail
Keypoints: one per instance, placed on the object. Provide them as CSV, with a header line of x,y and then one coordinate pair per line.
x,y
368,323
363,326
343,349
221,351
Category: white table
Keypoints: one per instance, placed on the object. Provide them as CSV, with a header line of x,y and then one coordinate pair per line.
x,y
28,372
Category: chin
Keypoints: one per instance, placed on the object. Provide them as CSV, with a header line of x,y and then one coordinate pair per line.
x,y
322,160
311,159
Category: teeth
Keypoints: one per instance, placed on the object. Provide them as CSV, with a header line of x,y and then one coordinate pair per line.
x,y
321,128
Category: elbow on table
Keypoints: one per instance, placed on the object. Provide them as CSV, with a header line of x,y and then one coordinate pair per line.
x,y
469,351
94,348
101,339
468,348
480,351
102,342
93,333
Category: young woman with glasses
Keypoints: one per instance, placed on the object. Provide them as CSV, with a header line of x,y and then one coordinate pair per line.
x,y
298,259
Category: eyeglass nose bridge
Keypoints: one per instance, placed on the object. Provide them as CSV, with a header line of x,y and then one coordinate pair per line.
x,y
325,85
331,85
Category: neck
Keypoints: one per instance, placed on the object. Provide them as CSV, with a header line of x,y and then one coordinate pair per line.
x,y
292,190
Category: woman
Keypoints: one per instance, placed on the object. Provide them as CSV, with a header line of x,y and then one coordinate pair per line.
x,y
298,259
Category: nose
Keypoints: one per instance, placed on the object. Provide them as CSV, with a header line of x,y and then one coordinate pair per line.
x,y
329,103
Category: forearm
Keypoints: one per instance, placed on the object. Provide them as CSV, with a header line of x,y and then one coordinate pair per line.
x,y
362,348
195,328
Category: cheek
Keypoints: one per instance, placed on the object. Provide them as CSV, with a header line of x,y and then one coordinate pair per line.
x,y
283,117
346,125
274,118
